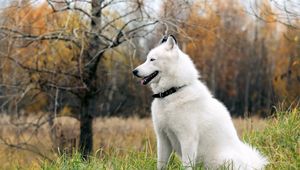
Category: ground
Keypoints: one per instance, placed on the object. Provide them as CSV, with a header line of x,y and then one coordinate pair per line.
x,y
130,143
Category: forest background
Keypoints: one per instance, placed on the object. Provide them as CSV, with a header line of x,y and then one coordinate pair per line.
x,y
73,58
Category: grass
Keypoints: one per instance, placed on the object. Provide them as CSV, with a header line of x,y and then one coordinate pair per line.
x,y
130,144
280,140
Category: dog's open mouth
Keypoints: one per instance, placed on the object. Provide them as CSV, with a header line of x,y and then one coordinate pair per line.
x,y
147,79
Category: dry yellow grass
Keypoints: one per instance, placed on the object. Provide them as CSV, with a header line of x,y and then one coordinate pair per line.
x,y
110,135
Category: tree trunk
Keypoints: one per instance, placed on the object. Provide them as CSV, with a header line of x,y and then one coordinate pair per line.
x,y
92,56
86,129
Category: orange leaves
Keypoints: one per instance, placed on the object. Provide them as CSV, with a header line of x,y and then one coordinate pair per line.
x,y
35,60
234,54
38,20
202,28
28,18
287,68
244,58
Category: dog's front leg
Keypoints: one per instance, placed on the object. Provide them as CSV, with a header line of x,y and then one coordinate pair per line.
x,y
189,153
164,150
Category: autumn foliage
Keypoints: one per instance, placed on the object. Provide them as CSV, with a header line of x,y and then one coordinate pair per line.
x,y
248,63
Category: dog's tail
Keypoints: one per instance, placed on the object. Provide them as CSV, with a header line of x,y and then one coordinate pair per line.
x,y
255,160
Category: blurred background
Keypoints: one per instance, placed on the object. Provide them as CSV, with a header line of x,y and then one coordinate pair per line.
x,y
66,64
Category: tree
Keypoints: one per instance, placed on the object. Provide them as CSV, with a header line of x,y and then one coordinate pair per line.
x,y
286,77
283,16
74,42
284,12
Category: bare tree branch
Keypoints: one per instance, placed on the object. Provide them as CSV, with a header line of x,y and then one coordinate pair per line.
x,y
47,36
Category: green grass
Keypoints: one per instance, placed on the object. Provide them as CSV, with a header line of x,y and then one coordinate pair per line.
x,y
279,141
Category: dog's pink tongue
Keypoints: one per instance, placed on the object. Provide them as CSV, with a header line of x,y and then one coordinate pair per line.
x,y
143,81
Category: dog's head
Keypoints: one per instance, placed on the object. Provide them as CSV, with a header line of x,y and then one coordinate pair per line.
x,y
159,61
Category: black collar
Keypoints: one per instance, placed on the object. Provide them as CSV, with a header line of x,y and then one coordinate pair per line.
x,y
167,93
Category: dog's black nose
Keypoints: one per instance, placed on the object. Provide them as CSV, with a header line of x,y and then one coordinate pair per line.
x,y
135,72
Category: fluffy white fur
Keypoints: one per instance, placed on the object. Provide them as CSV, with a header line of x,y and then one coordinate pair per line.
x,y
191,121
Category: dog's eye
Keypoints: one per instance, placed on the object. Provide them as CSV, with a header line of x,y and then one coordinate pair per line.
x,y
152,59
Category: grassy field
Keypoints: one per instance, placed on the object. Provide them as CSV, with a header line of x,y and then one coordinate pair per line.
x,y
130,144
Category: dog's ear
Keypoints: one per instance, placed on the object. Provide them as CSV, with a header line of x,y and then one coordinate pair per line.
x,y
171,42
163,39
173,38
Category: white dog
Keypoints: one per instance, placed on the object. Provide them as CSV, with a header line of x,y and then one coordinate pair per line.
x,y
187,118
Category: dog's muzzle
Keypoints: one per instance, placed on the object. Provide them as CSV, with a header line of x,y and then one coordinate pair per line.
x,y
145,80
